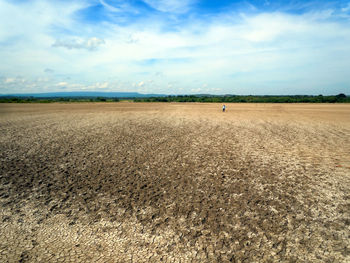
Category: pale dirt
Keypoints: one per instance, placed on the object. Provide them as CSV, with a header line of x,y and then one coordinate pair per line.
x,y
138,182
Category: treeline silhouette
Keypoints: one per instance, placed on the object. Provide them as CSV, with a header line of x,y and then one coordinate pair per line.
x,y
340,98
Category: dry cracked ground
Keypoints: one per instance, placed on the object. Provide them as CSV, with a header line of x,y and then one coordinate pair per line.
x,y
138,182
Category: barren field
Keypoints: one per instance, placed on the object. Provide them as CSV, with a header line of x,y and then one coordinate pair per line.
x,y
138,182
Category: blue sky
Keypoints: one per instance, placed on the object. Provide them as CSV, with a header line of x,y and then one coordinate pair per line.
x,y
175,47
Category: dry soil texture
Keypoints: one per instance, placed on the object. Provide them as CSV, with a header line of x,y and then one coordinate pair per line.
x,y
135,182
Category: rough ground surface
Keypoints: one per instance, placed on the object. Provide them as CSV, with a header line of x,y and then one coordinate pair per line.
x,y
127,182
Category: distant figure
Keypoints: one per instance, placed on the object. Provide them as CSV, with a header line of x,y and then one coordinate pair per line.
x,y
223,108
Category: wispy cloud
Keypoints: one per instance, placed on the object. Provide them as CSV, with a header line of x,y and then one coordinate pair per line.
x,y
110,7
171,6
62,84
9,80
78,43
271,48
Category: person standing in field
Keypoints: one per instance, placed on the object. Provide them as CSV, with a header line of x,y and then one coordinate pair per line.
x,y
223,108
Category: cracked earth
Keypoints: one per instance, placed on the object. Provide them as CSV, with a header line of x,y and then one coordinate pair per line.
x,y
172,182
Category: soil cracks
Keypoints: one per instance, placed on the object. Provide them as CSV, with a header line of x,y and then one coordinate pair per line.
x,y
131,182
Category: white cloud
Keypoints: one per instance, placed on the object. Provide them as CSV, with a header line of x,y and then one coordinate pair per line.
x,y
196,90
32,18
41,79
225,52
118,6
170,6
14,80
61,84
27,31
110,7
103,85
98,86
79,43
9,80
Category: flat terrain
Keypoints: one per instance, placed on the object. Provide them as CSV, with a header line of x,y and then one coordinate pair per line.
x,y
138,182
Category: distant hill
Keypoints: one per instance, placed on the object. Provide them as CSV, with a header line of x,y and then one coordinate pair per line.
x,y
84,94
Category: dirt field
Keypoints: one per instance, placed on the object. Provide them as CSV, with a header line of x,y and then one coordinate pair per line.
x,y
138,182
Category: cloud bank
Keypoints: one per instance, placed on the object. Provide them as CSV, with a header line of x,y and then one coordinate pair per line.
x,y
175,47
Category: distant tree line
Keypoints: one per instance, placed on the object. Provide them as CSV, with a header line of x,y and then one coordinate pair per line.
x,y
14,99
340,98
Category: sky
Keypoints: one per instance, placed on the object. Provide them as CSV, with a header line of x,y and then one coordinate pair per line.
x,y
175,46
